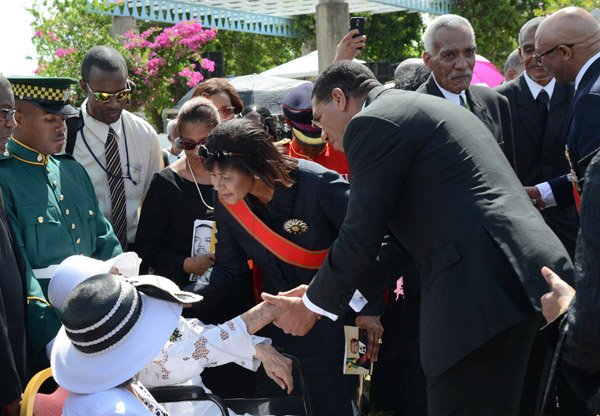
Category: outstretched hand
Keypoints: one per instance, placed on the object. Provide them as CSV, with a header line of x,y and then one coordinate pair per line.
x,y
350,46
557,301
294,318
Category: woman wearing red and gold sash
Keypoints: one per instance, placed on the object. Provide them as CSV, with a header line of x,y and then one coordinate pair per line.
x,y
283,214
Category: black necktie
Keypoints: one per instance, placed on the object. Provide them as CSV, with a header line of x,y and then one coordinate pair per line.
x,y
116,186
462,101
542,101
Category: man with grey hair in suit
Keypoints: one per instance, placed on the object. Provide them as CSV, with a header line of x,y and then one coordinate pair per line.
x,y
450,55
410,74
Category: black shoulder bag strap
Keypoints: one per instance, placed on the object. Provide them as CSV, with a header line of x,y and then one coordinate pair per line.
x,y
74,124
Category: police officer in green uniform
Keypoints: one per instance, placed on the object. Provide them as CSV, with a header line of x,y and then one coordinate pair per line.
x,y
49,199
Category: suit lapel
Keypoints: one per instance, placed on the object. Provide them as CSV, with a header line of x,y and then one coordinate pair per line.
x,y
432,88
478,108
559,107
590,76
528,114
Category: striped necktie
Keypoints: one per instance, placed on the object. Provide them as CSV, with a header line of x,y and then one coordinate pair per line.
x,y
462,101
116,186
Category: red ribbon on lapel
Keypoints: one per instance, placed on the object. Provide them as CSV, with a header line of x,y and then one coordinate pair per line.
x,y
282,248
576,197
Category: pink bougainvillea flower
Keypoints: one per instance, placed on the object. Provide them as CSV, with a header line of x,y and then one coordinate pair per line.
x,y
208,65
60,52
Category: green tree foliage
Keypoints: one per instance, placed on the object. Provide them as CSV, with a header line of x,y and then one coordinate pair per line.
x,y
496,25
248,53
550,6
393,37
64,31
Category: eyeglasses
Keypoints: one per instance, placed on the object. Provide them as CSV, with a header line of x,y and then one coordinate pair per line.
x,y
316,120
8,114
187,144
539,57
218,155
226,112
105,97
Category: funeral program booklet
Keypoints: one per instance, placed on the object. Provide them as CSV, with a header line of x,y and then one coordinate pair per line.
x,y
355,351
203,242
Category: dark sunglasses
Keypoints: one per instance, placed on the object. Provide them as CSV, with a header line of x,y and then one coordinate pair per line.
x,y
186,144
8,114
105,97
218,155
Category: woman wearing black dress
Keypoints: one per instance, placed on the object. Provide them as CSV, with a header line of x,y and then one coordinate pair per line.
x,y
178,195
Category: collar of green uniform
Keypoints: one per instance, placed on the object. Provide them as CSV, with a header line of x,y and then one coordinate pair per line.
x,y
24,153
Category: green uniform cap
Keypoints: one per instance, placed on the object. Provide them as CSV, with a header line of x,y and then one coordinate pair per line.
x,y
49,93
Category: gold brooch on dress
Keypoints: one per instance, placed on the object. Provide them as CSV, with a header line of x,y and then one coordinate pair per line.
x,y
295,226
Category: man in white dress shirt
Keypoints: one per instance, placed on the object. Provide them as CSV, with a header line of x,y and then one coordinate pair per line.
x,y
567,44
104,80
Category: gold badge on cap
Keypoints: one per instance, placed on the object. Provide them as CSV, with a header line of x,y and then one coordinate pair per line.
x,y
295,226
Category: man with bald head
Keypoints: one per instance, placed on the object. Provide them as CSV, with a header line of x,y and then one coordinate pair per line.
x,y
450,56
568,45
540,113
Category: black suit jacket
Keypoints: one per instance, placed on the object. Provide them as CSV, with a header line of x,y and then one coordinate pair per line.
x,y
433,174
582,341
489,107
540,149
12,314
583,136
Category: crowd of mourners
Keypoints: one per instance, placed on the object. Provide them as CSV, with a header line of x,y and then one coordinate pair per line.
x,y
461,219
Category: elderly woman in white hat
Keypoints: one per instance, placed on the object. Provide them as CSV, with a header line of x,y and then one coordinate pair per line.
x,y
121,335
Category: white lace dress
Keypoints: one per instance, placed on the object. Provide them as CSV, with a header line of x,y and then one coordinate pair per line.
x,y
195,346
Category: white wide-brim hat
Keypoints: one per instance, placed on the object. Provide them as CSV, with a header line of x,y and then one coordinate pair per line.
x,y
103,316
84,373
75,269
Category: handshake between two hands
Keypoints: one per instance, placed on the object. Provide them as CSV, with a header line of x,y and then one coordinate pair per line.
x,y
296,319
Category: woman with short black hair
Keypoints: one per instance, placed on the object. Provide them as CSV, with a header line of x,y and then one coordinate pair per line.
x,y
282,213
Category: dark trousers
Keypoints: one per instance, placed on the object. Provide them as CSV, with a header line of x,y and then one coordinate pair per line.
x,y
488,381
398,382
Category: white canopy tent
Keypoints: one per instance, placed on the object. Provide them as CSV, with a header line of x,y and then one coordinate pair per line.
x,y
305,67
258,89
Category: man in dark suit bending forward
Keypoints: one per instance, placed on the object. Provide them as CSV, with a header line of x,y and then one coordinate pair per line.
x,y
432,174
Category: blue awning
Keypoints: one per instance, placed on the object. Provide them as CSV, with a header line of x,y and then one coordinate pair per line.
x,y
266,17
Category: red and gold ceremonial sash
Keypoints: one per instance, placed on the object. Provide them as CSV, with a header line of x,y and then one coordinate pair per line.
x,y
282,248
